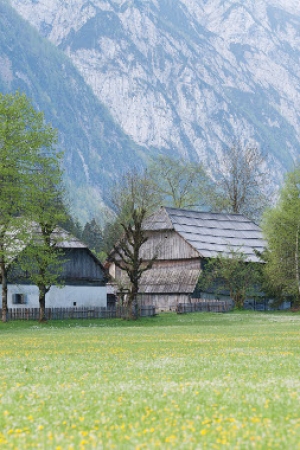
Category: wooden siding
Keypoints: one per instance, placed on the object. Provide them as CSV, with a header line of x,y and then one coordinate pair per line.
x,y
80,265
167,245
164,302
170,277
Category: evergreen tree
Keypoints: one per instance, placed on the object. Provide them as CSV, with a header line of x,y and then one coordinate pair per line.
x,y
92,236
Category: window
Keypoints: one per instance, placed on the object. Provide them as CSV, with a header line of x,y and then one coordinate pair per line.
x,y
19,299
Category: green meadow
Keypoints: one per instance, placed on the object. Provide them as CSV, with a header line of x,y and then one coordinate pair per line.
x,y
198,381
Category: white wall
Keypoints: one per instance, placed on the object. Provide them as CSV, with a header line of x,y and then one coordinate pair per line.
x,y
89,296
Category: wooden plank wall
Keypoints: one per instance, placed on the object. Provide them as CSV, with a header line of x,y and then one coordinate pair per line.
x,y
167,245
79,264
164,302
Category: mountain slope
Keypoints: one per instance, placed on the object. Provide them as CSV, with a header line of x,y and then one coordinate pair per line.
x,y
187,76
96,149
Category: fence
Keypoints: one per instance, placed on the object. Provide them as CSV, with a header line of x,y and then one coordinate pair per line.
x,y
74,313
205,306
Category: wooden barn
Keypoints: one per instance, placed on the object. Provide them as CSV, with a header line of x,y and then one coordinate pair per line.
x,y
83,278
182,240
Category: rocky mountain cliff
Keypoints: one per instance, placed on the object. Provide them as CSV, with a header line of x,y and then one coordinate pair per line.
x,y
187,76
96,149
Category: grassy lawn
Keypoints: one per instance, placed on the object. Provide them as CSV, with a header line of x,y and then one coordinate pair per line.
x,y
190,382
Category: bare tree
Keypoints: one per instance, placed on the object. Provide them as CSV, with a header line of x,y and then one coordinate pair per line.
x,y
133,200
134,189
241,181
127,257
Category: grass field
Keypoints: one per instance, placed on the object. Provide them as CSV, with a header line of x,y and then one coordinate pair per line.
x,y
189,382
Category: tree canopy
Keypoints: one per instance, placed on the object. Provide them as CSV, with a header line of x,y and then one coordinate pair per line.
x,y
179,183
29,170
281,227
231,273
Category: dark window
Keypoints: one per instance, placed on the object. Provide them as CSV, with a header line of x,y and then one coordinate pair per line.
x,y
19,299
74,303
111,301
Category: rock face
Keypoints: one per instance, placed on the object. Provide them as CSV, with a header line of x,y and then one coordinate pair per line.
x,y
187,76
96,149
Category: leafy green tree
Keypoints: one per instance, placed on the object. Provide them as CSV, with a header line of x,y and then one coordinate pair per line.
x,y
42,258
179,183
281,227
23,136
231,273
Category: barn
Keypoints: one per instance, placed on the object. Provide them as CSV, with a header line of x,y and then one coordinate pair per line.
x,y
182,241
83,278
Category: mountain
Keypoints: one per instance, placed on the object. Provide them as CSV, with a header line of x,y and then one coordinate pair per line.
x,y
188,77
96,149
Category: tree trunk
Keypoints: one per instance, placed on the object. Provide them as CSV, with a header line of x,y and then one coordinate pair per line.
x,y
238,299
132,313
4,291
42,301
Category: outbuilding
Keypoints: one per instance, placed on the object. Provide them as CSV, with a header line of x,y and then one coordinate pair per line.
x,y
182,240
83,280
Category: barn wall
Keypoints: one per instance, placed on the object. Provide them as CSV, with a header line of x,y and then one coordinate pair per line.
x,y
164,302
79,264
78,267
84,296
167,245
174,274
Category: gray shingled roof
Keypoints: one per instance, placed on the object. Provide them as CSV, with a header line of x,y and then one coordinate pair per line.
x,y
66,240
212,234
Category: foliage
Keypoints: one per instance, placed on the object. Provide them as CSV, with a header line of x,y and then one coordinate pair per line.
x,y
231,273
88,135
41,260
241,181
178,183
205,380
24,137
92,236
281,227
68,222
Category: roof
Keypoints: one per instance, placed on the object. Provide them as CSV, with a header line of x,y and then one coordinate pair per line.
x,y
211,234
65,239
62,239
